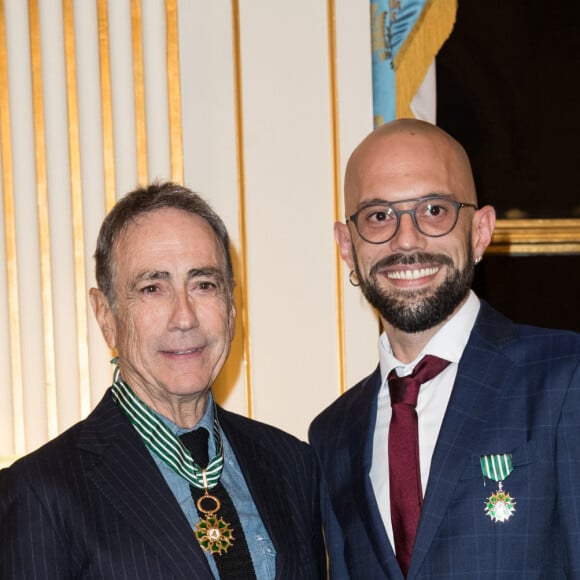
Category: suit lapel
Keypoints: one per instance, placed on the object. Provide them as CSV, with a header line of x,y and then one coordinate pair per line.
x,y
480,376
362,429
127,476
263,474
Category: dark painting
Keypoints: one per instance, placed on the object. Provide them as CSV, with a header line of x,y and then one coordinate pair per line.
x,y
508,88
508,81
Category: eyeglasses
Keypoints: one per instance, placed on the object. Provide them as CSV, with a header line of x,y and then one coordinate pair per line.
x,y
433,216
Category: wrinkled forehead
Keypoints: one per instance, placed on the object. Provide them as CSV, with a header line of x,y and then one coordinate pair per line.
x,y
164,235
407,165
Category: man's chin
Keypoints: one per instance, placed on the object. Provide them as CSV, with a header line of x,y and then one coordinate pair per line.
x,y
414,311
400,298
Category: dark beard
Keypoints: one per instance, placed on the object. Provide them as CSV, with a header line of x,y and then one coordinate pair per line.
x,y
418,311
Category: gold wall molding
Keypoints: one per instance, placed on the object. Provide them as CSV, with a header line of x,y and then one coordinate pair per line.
x,y
106,105
536,236
337,186
241,169
76,189
139,89
174,91
14,330
43,221
256,122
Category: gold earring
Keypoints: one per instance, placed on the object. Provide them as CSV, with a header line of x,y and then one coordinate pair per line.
x,y
353,278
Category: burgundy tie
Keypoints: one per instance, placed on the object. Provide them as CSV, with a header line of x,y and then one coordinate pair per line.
x,y
404,469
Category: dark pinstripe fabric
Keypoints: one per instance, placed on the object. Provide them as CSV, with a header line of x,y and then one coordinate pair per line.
x,y
92,504
517,390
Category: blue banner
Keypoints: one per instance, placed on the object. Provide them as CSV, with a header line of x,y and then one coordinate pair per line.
x,y
406,36
391,21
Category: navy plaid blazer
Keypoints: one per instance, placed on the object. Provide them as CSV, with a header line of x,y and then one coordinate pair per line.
x,y
93,504
517,391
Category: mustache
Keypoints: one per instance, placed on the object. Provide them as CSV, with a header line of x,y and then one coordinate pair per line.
x,y
410,260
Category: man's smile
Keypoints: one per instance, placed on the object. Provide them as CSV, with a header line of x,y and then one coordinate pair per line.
x,y
182,352
411,273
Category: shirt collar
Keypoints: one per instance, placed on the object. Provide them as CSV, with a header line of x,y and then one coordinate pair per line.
x,y
447,343
207,422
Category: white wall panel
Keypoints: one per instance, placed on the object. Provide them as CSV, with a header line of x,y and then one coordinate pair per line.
x,y
263,131
157,108
6,415
123,94
30,315
210,143
285,63
58,184
125,156
361,326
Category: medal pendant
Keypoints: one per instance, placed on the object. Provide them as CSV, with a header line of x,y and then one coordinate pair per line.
x,y
212,533
500,505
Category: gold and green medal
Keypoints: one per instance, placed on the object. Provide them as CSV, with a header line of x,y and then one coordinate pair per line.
x,y
212,532
499,506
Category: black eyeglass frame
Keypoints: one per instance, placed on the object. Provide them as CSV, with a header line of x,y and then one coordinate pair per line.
x,y
398,212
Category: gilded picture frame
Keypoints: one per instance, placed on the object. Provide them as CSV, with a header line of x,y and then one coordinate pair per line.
x,y
536,236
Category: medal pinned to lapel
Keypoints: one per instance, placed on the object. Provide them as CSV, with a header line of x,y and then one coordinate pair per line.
x,y
499,506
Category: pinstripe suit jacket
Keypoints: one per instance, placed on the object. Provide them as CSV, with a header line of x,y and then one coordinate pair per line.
x,y
517,391
92,504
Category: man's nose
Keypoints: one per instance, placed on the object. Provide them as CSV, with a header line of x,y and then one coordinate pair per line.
x,y
184,316
408,237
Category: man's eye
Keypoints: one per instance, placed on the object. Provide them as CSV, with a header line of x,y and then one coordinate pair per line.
x,y
207,286
149,289
379,215
434,210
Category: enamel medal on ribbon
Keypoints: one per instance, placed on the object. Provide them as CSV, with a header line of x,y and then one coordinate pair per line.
x,y
499,506
212,532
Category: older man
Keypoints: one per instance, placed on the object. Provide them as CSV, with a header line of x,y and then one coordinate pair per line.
x,y
159,482
458,457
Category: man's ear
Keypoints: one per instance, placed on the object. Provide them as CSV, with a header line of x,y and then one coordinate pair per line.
x,y
232,320
104,316
344,242
482,231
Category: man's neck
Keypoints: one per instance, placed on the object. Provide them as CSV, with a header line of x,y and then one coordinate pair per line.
x,y
407,346
184,410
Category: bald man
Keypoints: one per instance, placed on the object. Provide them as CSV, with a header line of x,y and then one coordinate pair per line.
x,y
458,456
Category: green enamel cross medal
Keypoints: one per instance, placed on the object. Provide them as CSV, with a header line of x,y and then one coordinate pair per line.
x,y
499,506
213,534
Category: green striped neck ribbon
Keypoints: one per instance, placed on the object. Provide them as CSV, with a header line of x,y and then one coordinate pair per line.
x,y
496,467
161,441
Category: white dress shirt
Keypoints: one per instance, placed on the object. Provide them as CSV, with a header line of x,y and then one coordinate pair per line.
x,y
448,343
